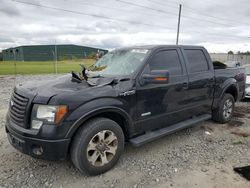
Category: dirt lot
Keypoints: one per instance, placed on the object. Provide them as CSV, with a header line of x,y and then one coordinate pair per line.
x,y
202,156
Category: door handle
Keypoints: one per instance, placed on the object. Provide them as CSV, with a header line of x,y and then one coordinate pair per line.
x,y
185,85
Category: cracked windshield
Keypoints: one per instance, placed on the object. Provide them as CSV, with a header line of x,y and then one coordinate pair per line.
x,y
119,62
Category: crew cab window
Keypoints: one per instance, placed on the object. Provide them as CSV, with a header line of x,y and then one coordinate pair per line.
x,y
197,61
166,60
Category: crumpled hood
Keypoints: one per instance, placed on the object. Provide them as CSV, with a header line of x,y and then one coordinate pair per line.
x,y
63,89
61,84
51,87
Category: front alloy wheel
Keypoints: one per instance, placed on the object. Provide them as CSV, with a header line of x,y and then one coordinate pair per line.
x,y
102,148
97,146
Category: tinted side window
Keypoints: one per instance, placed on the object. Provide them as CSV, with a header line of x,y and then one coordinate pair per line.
x,y
197,60
166,60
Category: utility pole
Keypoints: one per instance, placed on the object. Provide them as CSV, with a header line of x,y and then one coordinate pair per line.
x,y
178,27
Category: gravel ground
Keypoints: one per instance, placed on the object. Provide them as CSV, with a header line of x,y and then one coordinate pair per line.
x,y
202,156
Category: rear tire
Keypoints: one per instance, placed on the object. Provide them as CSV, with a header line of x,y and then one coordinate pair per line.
x,y
97,146
225,109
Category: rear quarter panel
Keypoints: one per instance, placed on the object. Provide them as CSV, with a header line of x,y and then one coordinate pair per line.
x,y
228,77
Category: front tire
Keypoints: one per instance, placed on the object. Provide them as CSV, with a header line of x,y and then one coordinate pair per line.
x,y
97,146
225,110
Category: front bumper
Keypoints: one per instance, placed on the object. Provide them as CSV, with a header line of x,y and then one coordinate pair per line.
x,y
38,148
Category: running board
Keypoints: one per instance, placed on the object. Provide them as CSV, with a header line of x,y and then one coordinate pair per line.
x,y
153,135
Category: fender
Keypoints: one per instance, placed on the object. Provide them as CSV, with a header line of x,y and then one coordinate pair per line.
x,y
222,89
229,83
98,106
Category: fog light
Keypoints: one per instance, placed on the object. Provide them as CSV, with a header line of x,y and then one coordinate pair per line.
x,y
36,124
37,150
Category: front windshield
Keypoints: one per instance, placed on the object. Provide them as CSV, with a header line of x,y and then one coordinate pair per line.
x,y
122,62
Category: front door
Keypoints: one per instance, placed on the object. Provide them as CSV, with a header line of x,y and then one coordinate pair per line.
x,y
161,105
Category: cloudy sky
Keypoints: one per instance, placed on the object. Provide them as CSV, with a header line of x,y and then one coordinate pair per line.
x,y
220,26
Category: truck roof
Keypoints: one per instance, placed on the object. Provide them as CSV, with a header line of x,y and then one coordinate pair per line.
x,y
160,46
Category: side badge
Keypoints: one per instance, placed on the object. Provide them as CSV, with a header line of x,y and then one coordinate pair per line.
x,y
126,93
146,114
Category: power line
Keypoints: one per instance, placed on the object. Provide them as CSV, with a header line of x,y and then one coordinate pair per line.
x,y
110,8
170,13
117,9
146,7
167,12
161,11
91,15
109,18
221,35
198,12
215,17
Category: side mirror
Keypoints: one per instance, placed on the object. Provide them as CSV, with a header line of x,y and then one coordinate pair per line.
x,y
156,77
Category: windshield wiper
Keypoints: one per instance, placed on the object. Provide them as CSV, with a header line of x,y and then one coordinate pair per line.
x,y
96,76
83,71
81,76
85,74
75,77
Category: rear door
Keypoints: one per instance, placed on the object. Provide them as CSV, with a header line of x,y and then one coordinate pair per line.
x,y
161,105
201,80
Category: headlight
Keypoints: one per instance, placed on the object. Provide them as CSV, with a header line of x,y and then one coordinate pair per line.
x,y
47,113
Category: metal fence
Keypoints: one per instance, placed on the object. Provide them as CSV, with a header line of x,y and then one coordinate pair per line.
x,y
244,59
50,52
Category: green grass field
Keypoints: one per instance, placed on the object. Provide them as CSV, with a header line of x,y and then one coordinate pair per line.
x,y
42,67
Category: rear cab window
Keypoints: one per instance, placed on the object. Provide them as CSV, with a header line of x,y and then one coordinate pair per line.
x,y
197,61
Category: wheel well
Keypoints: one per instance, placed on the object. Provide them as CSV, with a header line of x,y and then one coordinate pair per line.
x,y
233,91
118,118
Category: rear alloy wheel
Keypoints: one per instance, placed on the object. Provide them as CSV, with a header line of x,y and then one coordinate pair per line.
x,y
97,146
224,112
228,108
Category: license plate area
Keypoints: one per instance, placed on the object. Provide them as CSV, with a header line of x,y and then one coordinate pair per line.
x,y
16,142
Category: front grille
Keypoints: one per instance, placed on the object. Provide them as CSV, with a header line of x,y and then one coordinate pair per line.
x,y
18,104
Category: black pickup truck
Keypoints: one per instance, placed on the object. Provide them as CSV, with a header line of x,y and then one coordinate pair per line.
x,y
135,94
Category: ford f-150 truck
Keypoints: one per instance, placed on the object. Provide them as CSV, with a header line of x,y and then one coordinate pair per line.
x,y
135,95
